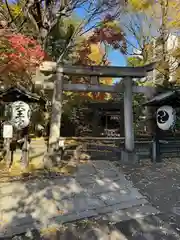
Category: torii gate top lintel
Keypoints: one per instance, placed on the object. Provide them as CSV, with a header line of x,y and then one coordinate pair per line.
x,y
99,71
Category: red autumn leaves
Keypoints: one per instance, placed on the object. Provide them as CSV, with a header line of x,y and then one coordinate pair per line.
x,y
20,53
110,33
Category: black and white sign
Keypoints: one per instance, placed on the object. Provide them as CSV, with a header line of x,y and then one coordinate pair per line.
x,y
20,114
165,117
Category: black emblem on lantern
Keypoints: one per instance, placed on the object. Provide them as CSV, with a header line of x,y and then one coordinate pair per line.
x,y
162,116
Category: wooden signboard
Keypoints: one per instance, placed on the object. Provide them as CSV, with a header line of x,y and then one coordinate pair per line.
x,y
7,130
7,135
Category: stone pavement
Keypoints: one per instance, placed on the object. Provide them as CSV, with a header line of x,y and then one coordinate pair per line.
x,y
160,183
97,188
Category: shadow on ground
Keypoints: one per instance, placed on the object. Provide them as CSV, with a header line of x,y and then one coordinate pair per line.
x,y
161,184
33,203
148,228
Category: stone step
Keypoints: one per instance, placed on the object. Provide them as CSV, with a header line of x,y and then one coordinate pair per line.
x,y
119,214
147,228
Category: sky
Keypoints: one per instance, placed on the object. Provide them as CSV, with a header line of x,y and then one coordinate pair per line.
x,y
116,58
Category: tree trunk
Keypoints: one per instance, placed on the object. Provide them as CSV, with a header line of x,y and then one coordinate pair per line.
x,y
164,37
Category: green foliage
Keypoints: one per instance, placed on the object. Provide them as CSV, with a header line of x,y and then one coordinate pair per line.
x,y
135,61
59,37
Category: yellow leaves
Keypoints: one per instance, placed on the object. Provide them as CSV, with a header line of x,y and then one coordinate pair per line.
x,y
17,10
173,24
154,10
3,221
163,67
96,54
175,21
140,5
173,4
107,81
69,93
178,76
48,231
99,96
135,61
114,25
173,14
176,53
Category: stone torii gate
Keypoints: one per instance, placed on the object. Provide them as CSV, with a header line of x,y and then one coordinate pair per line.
x,y
95,72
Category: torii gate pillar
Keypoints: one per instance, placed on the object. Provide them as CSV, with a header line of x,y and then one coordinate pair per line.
x,y
128,154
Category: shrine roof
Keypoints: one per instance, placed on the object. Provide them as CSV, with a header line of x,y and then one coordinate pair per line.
x,y
13,94
171,97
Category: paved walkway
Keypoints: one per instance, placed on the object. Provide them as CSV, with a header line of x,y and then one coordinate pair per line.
x,y
96,188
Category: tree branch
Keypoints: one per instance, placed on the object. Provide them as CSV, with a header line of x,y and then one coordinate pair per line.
x,y
9,11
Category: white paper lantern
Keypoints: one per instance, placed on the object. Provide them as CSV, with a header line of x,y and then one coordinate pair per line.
x,y
20,115
165,117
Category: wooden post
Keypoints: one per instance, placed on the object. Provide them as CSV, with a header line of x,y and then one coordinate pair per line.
x,y
128,121
25,148
55,123
7,157
25,153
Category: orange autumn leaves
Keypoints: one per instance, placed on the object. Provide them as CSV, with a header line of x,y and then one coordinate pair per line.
x,y
96,56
